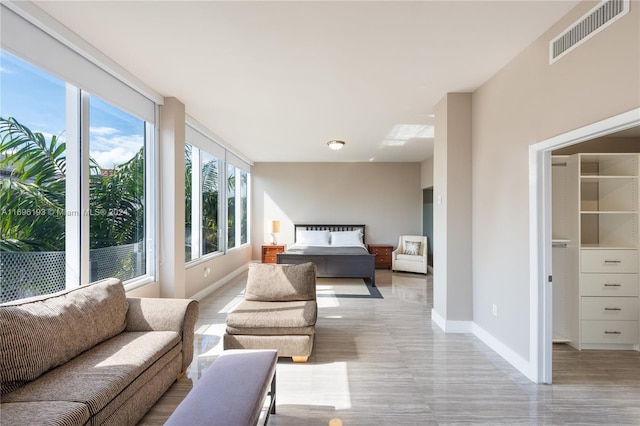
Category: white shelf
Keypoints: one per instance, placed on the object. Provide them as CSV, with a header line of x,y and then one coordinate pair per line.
x,y
597,178
606,247
608,212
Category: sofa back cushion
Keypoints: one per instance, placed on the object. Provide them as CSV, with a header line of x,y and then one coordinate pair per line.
x,y
41,333
268,282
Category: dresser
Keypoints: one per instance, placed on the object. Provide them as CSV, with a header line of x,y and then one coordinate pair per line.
x,y
383,255
269,252
608,298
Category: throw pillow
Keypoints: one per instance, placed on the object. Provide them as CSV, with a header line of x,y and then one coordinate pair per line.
x,y
412,248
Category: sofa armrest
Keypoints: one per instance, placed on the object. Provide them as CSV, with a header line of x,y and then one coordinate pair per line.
x,y
154,314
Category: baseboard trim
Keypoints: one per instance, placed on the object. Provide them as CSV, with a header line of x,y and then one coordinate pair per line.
x,y
451,326
509,355
488,339
221,282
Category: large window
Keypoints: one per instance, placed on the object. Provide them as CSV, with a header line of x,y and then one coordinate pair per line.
x,y
244,206
32,180
73,185
210,203
231,206
117,192
216,193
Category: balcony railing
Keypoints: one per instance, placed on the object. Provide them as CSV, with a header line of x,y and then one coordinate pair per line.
x,y
27,274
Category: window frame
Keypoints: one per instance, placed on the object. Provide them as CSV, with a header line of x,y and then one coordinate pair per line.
x,y
201,141
35,38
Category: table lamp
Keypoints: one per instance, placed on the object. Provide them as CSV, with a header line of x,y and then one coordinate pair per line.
x,y
275,228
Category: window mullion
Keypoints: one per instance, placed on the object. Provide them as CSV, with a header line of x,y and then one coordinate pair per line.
x,y
238,208
151,197
72,213
83,183
196,203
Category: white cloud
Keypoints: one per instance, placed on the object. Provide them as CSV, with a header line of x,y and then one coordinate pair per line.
x,y
102,131
115,150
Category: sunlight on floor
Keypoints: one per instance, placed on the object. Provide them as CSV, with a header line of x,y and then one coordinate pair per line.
x,y
308,385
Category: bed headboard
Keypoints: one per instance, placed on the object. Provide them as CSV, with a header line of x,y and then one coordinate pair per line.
x,y
330,228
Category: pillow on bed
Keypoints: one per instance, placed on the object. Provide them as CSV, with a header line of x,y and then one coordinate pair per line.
x,y
412,248
346,238
312,238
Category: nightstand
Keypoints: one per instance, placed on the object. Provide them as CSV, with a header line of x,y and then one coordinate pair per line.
x,y
383,255
269,252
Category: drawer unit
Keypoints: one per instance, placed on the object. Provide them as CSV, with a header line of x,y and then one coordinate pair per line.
x,y
610,332
270,251
609,284
609,261
610,308
383,254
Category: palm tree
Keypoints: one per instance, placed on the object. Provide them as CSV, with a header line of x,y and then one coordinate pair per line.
x,y
117,204
33,196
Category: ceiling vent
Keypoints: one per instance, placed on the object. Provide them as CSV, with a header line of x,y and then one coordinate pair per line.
x,y
597,19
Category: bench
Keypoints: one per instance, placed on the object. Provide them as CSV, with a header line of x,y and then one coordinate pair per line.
x,y
231,392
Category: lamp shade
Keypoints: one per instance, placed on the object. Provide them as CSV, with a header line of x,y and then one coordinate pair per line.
x,y
275,226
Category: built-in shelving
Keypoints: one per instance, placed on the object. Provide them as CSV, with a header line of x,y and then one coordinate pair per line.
x,y
596,241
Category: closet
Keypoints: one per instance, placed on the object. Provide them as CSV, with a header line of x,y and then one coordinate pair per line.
x,y
596,241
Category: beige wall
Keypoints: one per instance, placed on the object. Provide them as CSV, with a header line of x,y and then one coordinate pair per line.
x,y
426,173
452,284
386,197
527,102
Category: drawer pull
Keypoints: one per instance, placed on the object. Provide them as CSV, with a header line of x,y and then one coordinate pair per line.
x,y
612,285
613,261
612,332
612,309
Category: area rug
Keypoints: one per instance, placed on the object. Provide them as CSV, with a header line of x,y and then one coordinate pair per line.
x,y
346,288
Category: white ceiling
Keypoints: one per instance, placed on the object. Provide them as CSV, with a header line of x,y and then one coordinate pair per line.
x,y
277,80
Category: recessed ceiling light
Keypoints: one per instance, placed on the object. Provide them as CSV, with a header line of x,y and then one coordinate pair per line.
x,y
335,145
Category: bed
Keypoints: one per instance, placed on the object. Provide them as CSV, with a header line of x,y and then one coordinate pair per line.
x,y
336,250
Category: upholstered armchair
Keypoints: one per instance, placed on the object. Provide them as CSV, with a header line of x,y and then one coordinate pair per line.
x,y
411,254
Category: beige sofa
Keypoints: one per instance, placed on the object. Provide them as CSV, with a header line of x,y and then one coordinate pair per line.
x,y
91,355
279,311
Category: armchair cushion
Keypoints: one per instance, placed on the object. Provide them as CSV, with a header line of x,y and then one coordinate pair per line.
x,y
273,318
268,282
409,257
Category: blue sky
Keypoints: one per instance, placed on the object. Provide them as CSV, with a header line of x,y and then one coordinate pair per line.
x,y
37,100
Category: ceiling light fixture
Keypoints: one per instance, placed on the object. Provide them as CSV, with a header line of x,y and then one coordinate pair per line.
x,y
335,145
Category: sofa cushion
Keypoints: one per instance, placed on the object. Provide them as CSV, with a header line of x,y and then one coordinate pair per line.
x,y
59,413
100,374
273,318
269,282
40,333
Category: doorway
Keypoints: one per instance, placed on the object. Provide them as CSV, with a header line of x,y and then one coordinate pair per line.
x,y
541,326
427,221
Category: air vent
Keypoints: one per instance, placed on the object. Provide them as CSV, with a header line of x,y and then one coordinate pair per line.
x,y
597,19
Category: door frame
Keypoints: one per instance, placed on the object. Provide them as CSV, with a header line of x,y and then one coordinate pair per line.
x,y
541,325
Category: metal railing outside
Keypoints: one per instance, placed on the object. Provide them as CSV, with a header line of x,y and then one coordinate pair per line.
x,y
27,274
